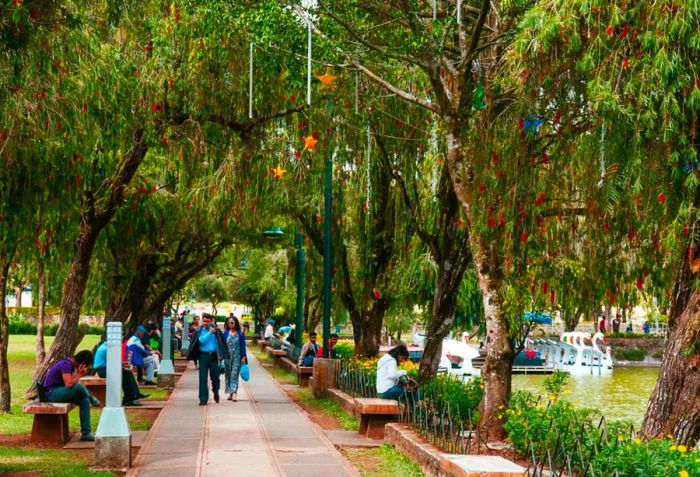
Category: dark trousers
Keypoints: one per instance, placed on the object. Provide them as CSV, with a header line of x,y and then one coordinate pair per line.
x,y
76,394
129,384
208,364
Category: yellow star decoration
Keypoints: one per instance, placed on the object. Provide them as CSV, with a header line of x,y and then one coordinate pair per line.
x,y
278,172
326,79
310,143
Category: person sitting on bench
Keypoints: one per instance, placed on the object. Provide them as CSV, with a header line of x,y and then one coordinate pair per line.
x,y
61,385
140,356
132,393
309,351
392,382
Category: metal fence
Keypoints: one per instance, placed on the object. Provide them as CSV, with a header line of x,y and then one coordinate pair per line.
x,y
357,381
439,421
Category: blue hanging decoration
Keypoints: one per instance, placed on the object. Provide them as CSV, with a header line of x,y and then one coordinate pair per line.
x,y
532,124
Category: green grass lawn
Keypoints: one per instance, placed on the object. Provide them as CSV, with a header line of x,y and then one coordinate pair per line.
x,y
384,461
21,361
327,406
54,463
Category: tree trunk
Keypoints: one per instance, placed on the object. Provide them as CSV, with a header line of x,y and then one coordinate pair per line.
x,y
5,391
367,329
18,296
497,370
93,221
674,406
41,279
441,319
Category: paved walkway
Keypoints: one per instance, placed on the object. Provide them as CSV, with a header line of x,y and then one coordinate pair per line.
x,y
263,434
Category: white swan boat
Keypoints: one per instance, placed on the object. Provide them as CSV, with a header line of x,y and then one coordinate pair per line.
x,y
573,355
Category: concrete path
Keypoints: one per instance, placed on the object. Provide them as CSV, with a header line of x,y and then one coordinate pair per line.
x,y
263,434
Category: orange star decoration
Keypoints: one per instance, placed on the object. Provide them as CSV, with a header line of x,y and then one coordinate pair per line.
x,y
310,143
326,79
278,172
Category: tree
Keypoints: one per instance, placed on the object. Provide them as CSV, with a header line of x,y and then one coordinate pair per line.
x,y
637,64
210,288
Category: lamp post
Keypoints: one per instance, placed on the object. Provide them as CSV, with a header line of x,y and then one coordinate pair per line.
x,y
166,371
327,258
299,244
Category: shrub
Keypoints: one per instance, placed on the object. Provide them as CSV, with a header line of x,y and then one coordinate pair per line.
x,y
463,397
344,349
612,448
630,354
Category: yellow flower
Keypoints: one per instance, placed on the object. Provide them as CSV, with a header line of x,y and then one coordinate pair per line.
x,y
552,397
620,438
525,424
682,449
540,406
669,436
683,473
637,440
501,406
673,447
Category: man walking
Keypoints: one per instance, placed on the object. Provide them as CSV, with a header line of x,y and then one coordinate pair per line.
x,y
208,346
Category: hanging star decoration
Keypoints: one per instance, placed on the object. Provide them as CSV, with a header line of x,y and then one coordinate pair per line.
x,y
278,172
532,124
327,79
310,143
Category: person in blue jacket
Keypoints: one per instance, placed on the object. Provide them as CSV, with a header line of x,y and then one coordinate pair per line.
x,y
140,356
208,346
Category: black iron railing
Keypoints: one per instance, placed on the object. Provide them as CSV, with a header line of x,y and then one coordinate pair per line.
x,y
357,381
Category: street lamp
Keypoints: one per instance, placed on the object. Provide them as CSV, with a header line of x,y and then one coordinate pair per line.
x,y
277,233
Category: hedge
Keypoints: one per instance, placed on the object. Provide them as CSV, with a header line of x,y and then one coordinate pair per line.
x,y
26,328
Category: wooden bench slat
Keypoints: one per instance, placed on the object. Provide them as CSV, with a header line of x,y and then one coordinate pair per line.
x,y
376,406
36,407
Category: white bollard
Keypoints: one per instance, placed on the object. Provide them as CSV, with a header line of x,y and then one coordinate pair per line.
x,y
113,436
166,371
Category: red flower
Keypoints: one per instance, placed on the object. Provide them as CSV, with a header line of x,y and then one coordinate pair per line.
x,y
545,158
521,124
610,30
297,154
494,157
557,116
492,222
625,63
315,135
292,99
376,294
164,141
482,188
686,230
551,297
501,219
639,283
17,2
662,198
697,83
460,223
318,219
155,107
624,32
523,237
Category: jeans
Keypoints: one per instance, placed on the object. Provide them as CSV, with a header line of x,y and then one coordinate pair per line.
x,y
77,394
400,392
208,363
129,384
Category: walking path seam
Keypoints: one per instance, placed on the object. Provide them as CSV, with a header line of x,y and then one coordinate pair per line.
x,y
266,437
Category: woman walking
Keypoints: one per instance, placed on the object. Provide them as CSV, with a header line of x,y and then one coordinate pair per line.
x,y
235,342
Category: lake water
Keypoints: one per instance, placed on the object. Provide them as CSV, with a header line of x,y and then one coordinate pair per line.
x,y
623,395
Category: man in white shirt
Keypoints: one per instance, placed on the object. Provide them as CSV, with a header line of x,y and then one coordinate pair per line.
x,y
389,376
269,330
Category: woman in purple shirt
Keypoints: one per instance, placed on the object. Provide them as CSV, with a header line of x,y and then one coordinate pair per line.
x,y
61,385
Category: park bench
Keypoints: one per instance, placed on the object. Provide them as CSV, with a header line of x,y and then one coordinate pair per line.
x,y
276,355
303,372
262,344
50,424
374,414
97,386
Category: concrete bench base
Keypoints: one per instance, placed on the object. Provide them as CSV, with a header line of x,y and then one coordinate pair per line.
x,y
50,424
303,372
375,414
263,344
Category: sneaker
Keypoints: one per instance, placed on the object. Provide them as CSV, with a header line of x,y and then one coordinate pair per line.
x,y
89,437
95,402
143,396
202,403
149,383
216,397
